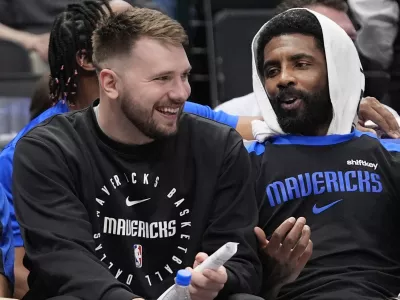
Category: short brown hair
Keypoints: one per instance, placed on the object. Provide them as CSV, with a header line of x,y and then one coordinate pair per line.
x,y
117,33
339,5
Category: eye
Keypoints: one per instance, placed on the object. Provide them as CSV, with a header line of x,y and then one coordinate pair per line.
x,y
163,78
185,76
271,72
302,65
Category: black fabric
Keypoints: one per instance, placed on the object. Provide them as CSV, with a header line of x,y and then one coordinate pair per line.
x,y
349,194
394,87
244,297
36,14
82,226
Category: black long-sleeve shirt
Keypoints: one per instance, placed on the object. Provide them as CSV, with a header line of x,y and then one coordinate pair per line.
x,y
104,220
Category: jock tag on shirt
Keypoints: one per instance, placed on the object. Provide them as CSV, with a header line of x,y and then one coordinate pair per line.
x,y
144,229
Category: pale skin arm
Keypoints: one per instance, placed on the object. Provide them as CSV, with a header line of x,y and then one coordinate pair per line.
x,y
30,41
244,127
23,38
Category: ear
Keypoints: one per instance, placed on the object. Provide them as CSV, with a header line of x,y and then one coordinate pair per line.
x,y
84,61
108,83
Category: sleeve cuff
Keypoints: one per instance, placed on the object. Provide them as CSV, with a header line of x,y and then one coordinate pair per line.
x,y
18,242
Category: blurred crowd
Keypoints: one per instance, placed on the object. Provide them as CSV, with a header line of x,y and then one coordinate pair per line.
x,y
373,25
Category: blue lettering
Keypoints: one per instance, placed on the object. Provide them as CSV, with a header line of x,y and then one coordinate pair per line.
x,y
292,185
341,181
376,179
305,192
364,181
315,181
331,180
275,187
349,187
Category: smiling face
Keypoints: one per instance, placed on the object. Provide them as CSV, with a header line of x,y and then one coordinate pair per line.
x,y
296,81
152,86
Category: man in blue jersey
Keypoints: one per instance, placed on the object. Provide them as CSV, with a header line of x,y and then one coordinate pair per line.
x,y
313,163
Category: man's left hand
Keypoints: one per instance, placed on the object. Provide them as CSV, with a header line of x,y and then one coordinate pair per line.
x,y
372,109
207,284
288,249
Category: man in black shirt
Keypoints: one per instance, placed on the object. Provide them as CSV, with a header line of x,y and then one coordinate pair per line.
x,y
311,162
114,199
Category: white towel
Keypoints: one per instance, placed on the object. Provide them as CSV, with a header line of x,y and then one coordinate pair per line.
x,y
345,77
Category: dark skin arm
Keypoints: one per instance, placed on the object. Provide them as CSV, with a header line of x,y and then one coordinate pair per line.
x,y
21,274
4,287
285,254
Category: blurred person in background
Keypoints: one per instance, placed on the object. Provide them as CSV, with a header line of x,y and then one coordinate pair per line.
x,y
370,108
28,23
168,6
40,100
378,21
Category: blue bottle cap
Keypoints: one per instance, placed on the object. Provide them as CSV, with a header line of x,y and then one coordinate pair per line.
x,y
183,277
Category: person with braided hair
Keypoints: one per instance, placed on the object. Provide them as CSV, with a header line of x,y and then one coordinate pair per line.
x,y
70,52
72,84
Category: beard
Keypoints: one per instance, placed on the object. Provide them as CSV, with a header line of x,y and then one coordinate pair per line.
x,y
143,119
315,113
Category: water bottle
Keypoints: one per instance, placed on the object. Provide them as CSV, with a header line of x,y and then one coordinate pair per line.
x,y
182,282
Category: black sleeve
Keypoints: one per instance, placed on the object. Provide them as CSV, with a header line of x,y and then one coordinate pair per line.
x,y
55,227
233,219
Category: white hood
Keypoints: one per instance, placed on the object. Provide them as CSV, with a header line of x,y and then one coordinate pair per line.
x,y
345,77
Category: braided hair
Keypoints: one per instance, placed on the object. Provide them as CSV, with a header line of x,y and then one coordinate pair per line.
x,y
71,35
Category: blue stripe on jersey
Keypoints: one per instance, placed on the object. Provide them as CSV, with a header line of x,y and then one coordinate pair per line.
x,y
312,140
391,145
256,147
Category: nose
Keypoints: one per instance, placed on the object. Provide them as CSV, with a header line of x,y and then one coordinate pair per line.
x,y
286,78
180,91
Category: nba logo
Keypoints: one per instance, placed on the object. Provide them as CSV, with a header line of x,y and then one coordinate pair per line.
x,y
138,255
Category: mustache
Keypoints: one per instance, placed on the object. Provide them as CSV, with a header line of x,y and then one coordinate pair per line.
x,y
290,92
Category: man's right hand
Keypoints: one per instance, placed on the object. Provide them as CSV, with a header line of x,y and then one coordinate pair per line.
x,y
207,284
289,248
